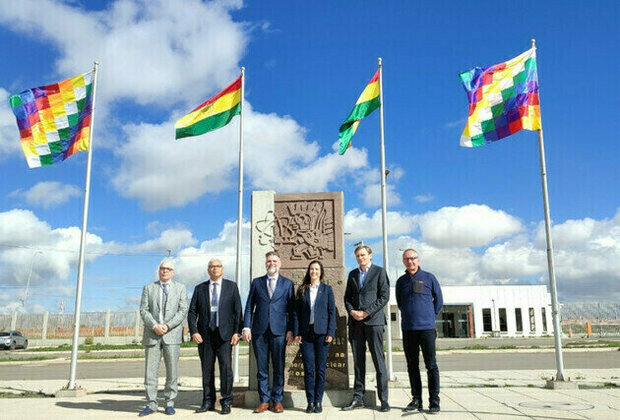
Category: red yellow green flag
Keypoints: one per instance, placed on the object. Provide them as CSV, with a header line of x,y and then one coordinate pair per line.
x,y
215,113
366,103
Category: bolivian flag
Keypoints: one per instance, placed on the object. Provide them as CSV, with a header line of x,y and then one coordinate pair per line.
x,y
366,103
215,113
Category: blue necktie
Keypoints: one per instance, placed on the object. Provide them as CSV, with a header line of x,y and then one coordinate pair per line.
x,y
213,316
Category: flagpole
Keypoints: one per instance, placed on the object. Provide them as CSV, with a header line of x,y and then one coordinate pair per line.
x,y
239,216
384,222
557,332
78,291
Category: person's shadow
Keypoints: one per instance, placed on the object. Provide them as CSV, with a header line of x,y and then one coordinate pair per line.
x,y
188,400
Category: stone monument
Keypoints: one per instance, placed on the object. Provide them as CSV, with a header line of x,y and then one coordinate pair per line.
x,y
303,228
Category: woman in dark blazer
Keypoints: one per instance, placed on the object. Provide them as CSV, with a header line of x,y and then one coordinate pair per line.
x,y
316,318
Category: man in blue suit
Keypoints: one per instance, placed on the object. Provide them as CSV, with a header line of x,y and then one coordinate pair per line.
x,y
269,320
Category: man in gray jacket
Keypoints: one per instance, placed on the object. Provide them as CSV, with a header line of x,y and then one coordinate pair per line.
x,y
163,308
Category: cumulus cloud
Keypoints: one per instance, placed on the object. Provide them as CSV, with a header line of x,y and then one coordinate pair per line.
x,y
424,198
360,225
9,133
143,45
161,172
48,194
52,252
473,225
371,195
586,256
191,262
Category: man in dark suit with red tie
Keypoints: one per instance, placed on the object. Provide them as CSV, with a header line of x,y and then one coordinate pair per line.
x,y
367,293
269,322
215,324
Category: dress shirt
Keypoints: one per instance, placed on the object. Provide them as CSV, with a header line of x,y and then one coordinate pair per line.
x,y
363,275
314,290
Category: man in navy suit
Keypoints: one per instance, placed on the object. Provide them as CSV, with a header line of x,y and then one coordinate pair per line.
x,y
215,324
269,320
367,293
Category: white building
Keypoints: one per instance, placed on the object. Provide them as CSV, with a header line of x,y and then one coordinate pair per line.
x,y
478,311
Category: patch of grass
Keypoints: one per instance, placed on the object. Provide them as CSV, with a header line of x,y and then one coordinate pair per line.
x,y
590,343
89,356
90,347
35,358
24,394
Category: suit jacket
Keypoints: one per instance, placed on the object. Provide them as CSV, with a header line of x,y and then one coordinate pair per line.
x,y
229,310
371,298
176,310
324,312
277,313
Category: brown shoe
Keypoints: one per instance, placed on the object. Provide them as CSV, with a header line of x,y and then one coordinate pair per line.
x,y
262,407
277,407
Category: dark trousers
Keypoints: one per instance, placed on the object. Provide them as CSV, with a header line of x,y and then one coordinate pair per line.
x,y
359,335
412,342
266,345
314,354
213,346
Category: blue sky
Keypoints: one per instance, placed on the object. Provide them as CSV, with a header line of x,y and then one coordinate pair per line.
x,y
475,215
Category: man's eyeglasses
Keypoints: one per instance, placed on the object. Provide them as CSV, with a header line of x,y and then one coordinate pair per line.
x,y
166,269
409,258
215,266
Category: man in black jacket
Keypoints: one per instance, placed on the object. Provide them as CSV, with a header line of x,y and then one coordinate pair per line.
x,y
215,324
367,293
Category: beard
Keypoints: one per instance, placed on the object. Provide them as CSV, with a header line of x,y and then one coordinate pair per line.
x,y
272,270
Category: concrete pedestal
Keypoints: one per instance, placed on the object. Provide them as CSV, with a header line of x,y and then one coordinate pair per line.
x,y
567,384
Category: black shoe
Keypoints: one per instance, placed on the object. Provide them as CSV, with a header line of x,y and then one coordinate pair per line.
x,y
414,405
310,408
205,407
318,407
225,409
385,407
433,409
353,405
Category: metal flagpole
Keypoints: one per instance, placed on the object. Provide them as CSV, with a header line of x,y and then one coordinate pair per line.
x,y
78,290
557,332
384,223
239,216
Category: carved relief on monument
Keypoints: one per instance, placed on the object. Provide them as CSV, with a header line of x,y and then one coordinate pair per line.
x,y
304,230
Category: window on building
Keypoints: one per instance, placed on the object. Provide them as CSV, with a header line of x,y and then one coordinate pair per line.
x,y
532,320
503,321
543,312
392,316
486,320
519,319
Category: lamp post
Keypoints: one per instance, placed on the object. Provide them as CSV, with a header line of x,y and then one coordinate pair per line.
x,y
29,276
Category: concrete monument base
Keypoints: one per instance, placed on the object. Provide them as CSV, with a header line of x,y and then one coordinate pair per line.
x,y
567,384
70,393
331,398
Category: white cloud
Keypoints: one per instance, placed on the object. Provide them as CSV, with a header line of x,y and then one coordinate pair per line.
x,y
162,172
143,45
371,195
424,198
473,225
191,262
362,226
48,194
9,133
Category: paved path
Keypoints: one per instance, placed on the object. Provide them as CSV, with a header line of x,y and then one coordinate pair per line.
x,y
449,361
464,395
